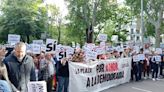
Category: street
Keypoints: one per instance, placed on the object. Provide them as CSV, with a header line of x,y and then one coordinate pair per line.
x,y
141,86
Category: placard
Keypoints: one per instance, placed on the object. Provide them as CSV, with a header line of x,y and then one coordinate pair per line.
x,y
36,49
135,58
157,58
102,37
90,55
51,45
13,38
158,50
141,56
37,86
39,42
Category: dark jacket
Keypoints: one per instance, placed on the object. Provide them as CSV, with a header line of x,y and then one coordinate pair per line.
x,y
20,73
62,70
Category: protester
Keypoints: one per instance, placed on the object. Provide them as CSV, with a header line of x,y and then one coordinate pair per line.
x,y
78,56
62,75
20,67
5,84
36,63
156,59
162,65
47,70
146,66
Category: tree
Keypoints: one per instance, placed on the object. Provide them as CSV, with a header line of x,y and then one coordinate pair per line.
x,y
119,21
23,17
153,10
84,15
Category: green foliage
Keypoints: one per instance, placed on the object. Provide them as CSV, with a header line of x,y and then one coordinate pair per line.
x,y
82,14
150,30
151,9
20,17
28,18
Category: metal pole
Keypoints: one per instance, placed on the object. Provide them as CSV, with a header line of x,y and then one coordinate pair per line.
x,y
142,25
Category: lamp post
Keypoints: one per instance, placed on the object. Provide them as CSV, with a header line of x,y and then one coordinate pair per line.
x,y
142,25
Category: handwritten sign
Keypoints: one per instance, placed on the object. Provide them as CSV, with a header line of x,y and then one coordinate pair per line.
x,y
13,39
36,49
37,86
39,42
90,55
102,37
135,58
100,50
158,50
43,47
141,56
157,58
90,45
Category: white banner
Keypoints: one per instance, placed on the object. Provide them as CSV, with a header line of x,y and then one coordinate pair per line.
x,y
99,75
37,86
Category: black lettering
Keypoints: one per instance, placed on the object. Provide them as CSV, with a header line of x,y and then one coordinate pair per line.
x,y
92,82
49,47
95,80
88,82
61,55
101,78
100,68
54,47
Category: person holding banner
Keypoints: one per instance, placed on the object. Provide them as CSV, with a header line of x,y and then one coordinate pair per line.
x,y
20,67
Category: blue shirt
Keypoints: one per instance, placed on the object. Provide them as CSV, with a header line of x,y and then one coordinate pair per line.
x,y
4,86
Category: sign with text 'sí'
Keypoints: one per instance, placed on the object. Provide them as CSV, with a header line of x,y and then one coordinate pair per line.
x,y
51,45
37,86
13,38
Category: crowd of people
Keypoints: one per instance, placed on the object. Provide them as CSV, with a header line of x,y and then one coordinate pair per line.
x,y
19,67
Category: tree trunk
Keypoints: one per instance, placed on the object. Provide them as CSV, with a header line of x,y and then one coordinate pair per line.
x,y
157,36
59,32
28,39
89,33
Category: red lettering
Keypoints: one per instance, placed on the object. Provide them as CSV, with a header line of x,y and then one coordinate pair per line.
x,y
111,67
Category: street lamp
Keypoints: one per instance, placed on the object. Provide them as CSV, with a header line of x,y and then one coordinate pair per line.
x,y
142,27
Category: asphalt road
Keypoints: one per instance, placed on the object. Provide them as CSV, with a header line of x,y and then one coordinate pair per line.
x,y
141,86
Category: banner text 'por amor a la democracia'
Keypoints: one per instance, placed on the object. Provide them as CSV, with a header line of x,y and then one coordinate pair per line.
x,y
99,75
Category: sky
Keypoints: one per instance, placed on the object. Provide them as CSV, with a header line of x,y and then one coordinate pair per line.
x,y
61,4
62,7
